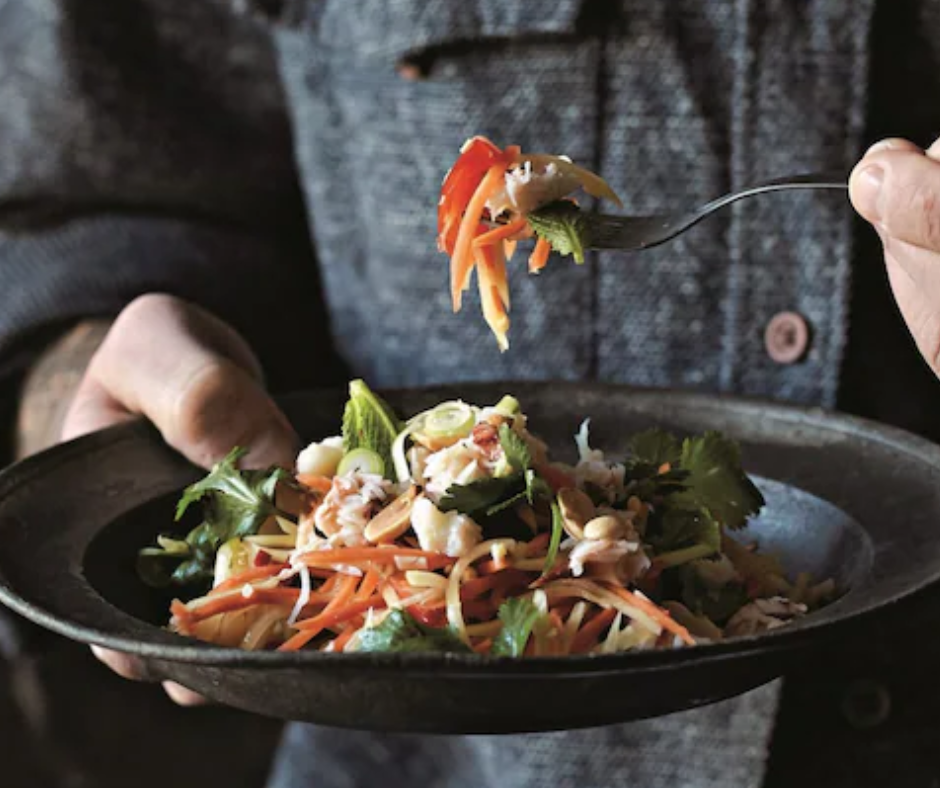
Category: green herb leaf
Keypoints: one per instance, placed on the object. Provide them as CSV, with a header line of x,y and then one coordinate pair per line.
x,y
519,616
484,496
369,423
655,447
564,226
719,604
685,535
716,481
236,503
400,632
558,527
515,449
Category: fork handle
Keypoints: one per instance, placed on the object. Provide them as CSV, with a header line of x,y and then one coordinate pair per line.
x,y
832,179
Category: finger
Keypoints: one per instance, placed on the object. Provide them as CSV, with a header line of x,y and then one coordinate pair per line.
x,y
920,313
92,408
183,696
190,375
125,665
898,191
892,143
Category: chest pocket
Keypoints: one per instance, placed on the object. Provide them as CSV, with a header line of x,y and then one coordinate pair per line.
x,y
385,93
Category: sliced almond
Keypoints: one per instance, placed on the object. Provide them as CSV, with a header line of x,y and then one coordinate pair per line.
x,y
576,510
393,520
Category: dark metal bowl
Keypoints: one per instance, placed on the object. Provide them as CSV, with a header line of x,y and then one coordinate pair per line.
x,y
846,499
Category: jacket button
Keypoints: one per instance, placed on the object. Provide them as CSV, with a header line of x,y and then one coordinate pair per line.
x,y
786,337
413,68
866,704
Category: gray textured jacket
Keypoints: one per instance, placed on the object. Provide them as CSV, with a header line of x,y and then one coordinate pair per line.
x,y
200,148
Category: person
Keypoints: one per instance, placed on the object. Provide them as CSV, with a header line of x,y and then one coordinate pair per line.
x,y
190,189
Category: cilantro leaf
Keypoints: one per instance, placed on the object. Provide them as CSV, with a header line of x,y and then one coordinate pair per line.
x,y
514,449
719,604
236,503
685,535
484,495
564,226
716,480
369,423
655,447
519,616
400,632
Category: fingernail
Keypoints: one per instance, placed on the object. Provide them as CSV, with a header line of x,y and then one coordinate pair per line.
x,y
867,192
880,146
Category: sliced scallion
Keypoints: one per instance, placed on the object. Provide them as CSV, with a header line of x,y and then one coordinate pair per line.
x,y
361,461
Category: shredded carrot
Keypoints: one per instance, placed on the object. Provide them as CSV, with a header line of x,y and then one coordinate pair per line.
x,y
321,484
589,633
354,556
502,233
483,646
502,579
184,619
314,626
537,544
311,627
461,263
255,573
339,642
492,284
237,601
655,612
369,583
539,257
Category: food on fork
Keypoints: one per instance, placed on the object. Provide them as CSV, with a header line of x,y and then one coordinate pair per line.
x,y
491,199
456,531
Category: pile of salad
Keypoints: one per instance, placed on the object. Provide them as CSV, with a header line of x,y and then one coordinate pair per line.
x,y
455,531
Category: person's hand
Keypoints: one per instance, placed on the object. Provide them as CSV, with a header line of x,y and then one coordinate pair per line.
x,y
198,382
896,187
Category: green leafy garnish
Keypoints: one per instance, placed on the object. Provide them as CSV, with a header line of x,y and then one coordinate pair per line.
x,y
369,423
514,449
696,487
519,616
236,504
719,604
484,496
655,447
695,528
400,632
564,226
716,481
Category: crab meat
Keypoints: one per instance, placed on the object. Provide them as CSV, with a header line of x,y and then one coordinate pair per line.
x,y
599,551
528,187
763,614
351,503
444,532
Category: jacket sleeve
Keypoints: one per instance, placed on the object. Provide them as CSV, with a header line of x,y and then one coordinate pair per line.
x,y
145,146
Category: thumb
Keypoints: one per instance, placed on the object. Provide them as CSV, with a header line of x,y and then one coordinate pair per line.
x,y
192,376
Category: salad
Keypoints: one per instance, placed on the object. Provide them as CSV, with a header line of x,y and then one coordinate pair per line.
x,y
456,531
491,199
